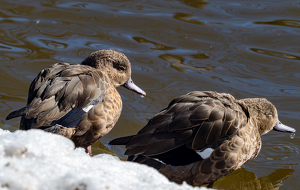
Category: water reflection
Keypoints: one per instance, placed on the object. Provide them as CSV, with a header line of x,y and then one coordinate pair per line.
x,y
177,62
243,179
157,45
275,54
188,18
196,3
200,56
285,152
54,44
289,23
99,148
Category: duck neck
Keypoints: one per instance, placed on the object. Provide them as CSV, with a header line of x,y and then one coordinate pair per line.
x,y
254,107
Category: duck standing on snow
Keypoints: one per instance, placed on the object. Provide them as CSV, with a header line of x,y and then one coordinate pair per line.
x,y
78,101
203,136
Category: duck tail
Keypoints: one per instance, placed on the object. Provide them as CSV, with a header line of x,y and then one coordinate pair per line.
x,y
18,113
121,140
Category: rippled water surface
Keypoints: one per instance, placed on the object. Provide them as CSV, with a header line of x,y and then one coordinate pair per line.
x,y
246,48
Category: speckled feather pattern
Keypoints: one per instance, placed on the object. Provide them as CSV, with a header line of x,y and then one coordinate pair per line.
x,y
61,93
100,119
194,122
69,86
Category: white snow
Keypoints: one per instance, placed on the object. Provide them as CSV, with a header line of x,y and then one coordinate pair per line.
x,y
37,160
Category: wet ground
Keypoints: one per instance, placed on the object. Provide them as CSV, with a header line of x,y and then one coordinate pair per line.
x,y
245,48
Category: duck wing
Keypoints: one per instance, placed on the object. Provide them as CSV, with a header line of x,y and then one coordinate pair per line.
x,y
191,122
62,94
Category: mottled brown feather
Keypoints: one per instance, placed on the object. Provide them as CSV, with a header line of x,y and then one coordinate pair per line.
x,y
64,90
194,122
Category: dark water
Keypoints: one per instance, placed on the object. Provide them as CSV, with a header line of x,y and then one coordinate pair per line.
x,y
246,48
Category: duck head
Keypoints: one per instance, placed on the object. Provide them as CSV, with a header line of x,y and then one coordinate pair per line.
x,y
116,66
265,115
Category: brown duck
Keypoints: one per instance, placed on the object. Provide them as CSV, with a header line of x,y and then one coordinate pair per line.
x,y
203,136
78,101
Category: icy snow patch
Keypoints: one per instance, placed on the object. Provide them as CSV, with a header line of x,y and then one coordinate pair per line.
x,y
38,160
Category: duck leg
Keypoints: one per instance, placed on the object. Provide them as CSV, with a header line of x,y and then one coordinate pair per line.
x,y
88,149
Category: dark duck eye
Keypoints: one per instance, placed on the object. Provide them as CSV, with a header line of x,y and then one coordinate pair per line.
x,y
120,68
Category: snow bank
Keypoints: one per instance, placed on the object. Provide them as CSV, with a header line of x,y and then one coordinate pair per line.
x,y
37,160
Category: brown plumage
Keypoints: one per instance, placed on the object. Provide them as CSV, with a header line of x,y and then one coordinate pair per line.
x,y
202,136
78,101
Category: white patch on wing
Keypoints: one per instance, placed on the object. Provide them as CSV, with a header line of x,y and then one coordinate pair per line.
x,y
60,125
134,157
159,160
87,108
205,153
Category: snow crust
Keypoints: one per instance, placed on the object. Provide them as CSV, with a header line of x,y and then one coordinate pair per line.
x,y
38,160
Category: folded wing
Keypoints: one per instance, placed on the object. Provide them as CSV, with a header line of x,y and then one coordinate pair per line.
x,y
194,121
61,94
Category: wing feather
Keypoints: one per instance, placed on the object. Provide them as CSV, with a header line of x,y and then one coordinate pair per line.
x,y
196,120
162,146
61,88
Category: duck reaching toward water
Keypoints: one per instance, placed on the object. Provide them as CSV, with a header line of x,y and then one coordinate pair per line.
x,y
203,136
78,101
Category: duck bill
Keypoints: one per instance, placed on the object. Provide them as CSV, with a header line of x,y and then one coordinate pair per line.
x,y
131,86
283,128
